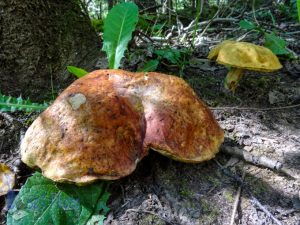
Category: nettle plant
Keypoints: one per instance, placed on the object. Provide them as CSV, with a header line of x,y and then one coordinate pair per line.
x,y
43,201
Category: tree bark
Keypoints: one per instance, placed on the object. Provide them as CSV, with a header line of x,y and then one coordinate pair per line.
x,y
38,39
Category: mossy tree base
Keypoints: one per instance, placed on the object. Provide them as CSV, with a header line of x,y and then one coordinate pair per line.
x,y
38,39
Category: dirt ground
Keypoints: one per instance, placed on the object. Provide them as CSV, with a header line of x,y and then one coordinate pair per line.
x,y
163,191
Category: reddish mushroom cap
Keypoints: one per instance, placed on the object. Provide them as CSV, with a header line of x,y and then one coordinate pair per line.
x,y
105,122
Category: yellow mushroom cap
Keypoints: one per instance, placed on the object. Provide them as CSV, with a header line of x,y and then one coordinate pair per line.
x,y
245,56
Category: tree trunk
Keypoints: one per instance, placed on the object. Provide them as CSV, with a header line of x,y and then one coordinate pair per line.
x,y
38,39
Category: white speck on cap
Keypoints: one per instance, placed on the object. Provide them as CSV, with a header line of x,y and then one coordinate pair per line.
x,y
77,100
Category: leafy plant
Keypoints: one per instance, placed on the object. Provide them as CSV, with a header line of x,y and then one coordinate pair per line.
x,y
276,44
12,104
174,56
78,72
290,9
118,27
150,66
42,202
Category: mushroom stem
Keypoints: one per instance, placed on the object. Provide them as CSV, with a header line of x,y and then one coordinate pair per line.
x,y
232,78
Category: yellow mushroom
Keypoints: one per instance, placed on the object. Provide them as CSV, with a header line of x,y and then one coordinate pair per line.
x,y
240,56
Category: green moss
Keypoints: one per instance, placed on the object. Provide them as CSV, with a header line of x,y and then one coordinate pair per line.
x,y
210,212
186,192
229,195
215,181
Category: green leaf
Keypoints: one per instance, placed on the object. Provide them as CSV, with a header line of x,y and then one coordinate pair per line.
x,y
276,44
172,55
118,27
298,7
150,66
12,104
245,24
78,72
42,202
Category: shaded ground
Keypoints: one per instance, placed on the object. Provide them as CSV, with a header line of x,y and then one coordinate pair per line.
x,y
163,191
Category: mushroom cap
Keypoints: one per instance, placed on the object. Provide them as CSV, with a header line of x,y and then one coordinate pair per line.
x,y
245,55
105,122
90,132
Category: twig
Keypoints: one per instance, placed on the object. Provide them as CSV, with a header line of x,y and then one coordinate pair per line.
x,y
253,108
152,213
244,35
190,27
140,33
254,200
253,11
236,201
11,119
290,211
7,116
150,8
258,160
265,210
209,23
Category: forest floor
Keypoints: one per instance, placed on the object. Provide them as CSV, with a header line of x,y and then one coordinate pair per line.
x,y
162,191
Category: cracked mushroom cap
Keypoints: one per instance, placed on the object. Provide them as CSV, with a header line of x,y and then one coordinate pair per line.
x,y
105,122
245,56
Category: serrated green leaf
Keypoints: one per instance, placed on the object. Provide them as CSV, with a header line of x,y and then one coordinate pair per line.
x,y
245,24
276,44
12,104
118,27
78,72
42,202
150,66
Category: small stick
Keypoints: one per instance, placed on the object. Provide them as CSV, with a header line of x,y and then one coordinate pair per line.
x,y
254,200
236,201
258,160
257,109
259,205
7,116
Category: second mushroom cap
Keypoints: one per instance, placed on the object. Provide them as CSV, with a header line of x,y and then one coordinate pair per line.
x,y
241,56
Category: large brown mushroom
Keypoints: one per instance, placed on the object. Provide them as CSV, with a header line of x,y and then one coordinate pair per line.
x,y
105,122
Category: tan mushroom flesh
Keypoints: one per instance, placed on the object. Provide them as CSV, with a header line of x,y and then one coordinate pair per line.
x,y
115,119
240,56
